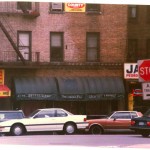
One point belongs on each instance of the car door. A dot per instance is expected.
(43, 121)
(119, 120)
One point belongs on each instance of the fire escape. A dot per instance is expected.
(9, 31)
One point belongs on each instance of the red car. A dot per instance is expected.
(118, 120)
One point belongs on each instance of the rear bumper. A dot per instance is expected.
(140, 128)
(82, 126)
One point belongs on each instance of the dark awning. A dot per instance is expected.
(70, 88)
(36, 88)
(4, 91)
(105, 88)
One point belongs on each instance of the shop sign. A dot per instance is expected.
(104, 96)
(1, 77)
(75, 7)
(71, 97)
(137, 92)
(146, 90)
(144, 70)
(131, 71)
(35, 96)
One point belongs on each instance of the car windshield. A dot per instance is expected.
(147, 113)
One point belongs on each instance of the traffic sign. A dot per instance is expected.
(144, 70)
(146, 90)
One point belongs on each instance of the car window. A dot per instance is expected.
(133, 115)
(45, 114)
(121, 115)
(61, 113)
(11, 115)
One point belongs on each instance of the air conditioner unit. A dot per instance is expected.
(57, 6)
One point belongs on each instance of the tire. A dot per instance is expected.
(145, 134)
(96, 129)
(17, 130)
(70, 128)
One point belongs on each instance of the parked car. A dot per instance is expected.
(52, 119)
(11, 114)
(141, 125)
(116, 121)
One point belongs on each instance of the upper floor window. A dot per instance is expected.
(148, 48)
(24, 44)
(92, 8)
(92, 46)
(132, 13)
(132, 50)
(24, 5)
(56, 7)
(56, 46)
(148, 13)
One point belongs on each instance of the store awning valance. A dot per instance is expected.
(105, 88)
(4, 91)
(69, 88)
(35, 88)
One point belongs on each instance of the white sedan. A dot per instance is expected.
(50, 119)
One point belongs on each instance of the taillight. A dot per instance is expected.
(148, 123)
(85, 119)
(132, 123)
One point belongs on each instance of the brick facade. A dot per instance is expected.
(111, 23)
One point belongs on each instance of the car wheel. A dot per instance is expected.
(96, 130)
(17, 130)
(70, 128)
(145, 134)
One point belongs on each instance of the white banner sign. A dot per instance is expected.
(131, 71)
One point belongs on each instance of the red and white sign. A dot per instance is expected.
(131, 71)
(144, 70)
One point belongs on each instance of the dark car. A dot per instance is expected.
(11, 114)
(142, 124)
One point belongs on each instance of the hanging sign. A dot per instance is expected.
(75, 7)
(1, 77)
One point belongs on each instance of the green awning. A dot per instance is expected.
(69, 88)
(35, 88)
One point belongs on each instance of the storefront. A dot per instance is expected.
(134, 89)
(80, 95)
(5, 92)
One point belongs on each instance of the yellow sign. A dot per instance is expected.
(75, 7)
(5, 93)
(1, 76)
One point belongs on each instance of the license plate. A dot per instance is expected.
(141, 123)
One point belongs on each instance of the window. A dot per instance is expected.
(148, 48)
(24, 5)
(61, 113)
(24, 44)
(56, 46)
(56, 7)
(45, 114)
(92, 8)
(133, 115)
(132, 50)
(132, 13)
(121, 115)
(148, 13)
(92, 46)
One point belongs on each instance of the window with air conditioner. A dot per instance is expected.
(24, 44)
(56, 7)
(93, 8)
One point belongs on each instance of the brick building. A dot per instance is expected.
(58, 58)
